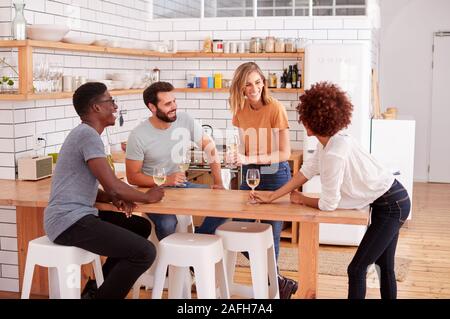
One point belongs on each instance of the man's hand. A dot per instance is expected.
(123, 206)
(217, 186)
(155, 194)
(175, 179)
(297, 197)
(261, 197)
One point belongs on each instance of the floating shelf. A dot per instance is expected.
(25, 59)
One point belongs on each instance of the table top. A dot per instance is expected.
(199, 202)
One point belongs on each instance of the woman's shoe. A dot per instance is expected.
(287, 287)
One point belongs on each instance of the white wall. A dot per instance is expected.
(130, 19)
(407, 28)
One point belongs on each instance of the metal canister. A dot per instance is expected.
(156, 75)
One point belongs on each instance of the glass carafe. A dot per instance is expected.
(19, 24)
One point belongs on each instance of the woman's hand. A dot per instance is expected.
(261, 197)
(297, 197)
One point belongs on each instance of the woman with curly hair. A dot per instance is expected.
(264, 130)
(351, 179)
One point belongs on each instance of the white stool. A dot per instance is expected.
(147, 278)
(257, 240)
(64, 268)
(203, 252)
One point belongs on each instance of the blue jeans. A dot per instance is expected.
(378, 245)
(167, 224)
(273, 177)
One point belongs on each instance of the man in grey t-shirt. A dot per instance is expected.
(71, 218)
(161, 142)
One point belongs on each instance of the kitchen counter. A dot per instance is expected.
(30, 199)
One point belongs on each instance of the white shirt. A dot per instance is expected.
(351, 178)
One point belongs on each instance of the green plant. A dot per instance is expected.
(6, 79)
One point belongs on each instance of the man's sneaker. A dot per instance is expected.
(287, 287)
(89, 290)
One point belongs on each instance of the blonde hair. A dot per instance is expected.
(237, 98)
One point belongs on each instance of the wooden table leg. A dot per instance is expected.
(308, 252)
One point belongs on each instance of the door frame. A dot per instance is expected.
(430, 123)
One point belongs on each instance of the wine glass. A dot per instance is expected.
(184, 164)
(159, 175)
(253, 178)
(232, 149)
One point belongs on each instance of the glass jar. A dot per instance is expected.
(279, 45)
(272, 80)
(270, 45)
(18, 25)
(255, 45)
(290, 45)
(300, 44)
(217, 46)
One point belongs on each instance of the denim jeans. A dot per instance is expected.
(167, 224)
(272, 178)
(388, 213)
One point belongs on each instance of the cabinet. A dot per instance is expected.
(392, 143)
(25, 65)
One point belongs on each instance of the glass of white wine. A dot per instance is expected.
(232, 149)
(159, 175)
(184, 164)
(253, 178)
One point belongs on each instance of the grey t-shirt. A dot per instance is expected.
(160, 148)
(74, 187)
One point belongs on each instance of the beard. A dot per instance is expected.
(164, 117)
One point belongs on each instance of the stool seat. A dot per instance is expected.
(180, 251)
(257, 240)
(64, 267)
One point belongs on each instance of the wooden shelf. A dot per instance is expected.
(68, 95)
(139, 52)
(25, 59)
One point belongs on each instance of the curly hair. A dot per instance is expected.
(325, 109)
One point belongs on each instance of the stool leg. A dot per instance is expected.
(177, 282)
(137, 286)
(27, 278)
(229, 259)
(274, 292)
(98, 271)
(53, 283)
(159, 279)
(69, 277)
(258, 265)
(205, 281)
(222, 279)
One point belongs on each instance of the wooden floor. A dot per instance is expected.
(425, 241)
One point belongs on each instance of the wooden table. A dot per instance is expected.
(31, 198)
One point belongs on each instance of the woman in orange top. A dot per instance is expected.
(264, 131)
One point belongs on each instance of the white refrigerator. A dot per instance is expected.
(349, 66)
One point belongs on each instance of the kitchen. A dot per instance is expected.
(51, 115)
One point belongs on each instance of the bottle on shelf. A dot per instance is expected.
(299, 77)
(283, 79)
(19, 24)
(294, 76)
(289, 78)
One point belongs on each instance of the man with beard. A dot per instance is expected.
(160, 142)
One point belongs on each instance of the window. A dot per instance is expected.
(339, 7)
(229, 8)
(170, 9)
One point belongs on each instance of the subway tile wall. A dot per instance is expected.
(22, 121)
